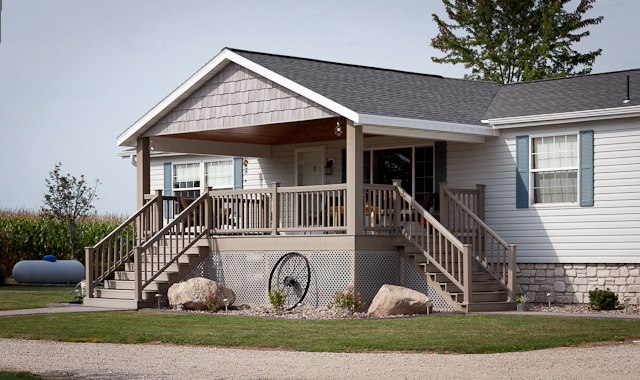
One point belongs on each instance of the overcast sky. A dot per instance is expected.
(74, 74)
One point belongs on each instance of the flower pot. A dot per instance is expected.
(521, 306)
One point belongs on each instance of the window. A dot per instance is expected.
(219, 174)
(186, 179)
(554, 169)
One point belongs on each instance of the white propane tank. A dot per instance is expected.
(48, 272)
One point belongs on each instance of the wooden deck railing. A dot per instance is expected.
(442, 249)
(379, 206)
(116, 248)
(171, 242)
(496, 255)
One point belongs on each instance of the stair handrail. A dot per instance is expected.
(124, 253)
(202, 205)
(509, 280)
(461, 274)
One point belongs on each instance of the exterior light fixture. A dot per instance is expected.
(226, 305)
(338, 129)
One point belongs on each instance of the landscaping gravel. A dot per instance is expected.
(155, 361)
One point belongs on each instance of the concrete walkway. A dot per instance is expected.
(55, 310)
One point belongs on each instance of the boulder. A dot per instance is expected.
(393, 300)
(198, 293)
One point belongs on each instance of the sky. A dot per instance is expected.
(74, 74)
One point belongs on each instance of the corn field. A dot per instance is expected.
(29, 235)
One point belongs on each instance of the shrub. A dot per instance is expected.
(278, 299)
(602, 299)
(347, 300)
(212, 302)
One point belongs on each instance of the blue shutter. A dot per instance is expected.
(522, 171)
(167, 179)
(586, 168)
(237, 172)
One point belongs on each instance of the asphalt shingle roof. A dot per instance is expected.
(385, 92)
(580, 93)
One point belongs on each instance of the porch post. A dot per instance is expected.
(444, 205)
(143, 175)
(354, 206)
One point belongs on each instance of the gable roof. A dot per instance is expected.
(385, 92)
(365, 95)
(565, 97)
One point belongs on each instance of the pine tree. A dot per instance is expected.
(509, 41)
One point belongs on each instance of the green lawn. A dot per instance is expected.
(435, 333)
(10, 375)
(14, 297)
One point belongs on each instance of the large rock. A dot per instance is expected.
(198, 293)
(393, 300)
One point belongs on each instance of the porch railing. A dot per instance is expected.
(116, 249)
(441, 248)
(167, 246)
(496, 255)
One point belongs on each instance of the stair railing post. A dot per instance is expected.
(444, 205)
(467, 275)
(137, 263)
(511, 276)
(480, 201)
(396, 204)
(208, 212)
(275, 207)
(89, 270)
(160, 211)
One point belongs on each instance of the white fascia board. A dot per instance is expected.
(427, 125)
(127, 138)
(421, 134)
(563, 117)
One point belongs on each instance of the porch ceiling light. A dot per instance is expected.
(338, 129)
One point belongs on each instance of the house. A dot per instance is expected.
(381, 176)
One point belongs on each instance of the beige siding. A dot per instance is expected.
(237, 97)
(609, 232)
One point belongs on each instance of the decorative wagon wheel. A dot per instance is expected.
(291, 274)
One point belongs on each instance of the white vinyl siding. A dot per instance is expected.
(608, 232)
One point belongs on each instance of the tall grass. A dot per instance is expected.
(29, 235)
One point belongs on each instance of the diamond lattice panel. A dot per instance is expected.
(374, 269)
(413, 281)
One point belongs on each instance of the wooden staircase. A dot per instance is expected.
(119, 292)
(464, 261)
(146, 254)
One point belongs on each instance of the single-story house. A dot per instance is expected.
(469, 191)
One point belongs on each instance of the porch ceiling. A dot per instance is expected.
(273, 134)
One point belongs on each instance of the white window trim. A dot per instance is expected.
(323, 159)
(202, 163)
(575, 204)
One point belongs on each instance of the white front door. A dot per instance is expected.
(310, 166)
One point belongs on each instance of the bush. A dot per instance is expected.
(603, 299)
(29, 235)
(348, 300)
(278, 299)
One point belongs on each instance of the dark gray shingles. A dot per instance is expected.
(580, 93)
(385, 92)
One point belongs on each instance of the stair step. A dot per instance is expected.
(481, 297)
(475, 277)
(110, 303)
(175, 267)
(124, 294)
(433, 269)
(168, 276)
(491, 306)
(156, 286)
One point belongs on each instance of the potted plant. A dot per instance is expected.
(521, 302)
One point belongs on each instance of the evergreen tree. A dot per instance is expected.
(509, 41)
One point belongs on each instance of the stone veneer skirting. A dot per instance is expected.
(571, 283)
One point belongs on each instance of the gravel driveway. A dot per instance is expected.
(121, 361)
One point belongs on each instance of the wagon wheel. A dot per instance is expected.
(291, 274)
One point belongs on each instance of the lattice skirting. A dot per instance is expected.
(247, 273)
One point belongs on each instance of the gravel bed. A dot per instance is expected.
(581, 308)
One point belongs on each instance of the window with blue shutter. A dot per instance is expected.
(522, 171)
(586, 168)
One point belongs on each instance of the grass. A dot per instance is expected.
(11, 375)
(436, 333)
(13, 297)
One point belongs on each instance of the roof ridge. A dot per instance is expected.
(570, 77)
(354, 65)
